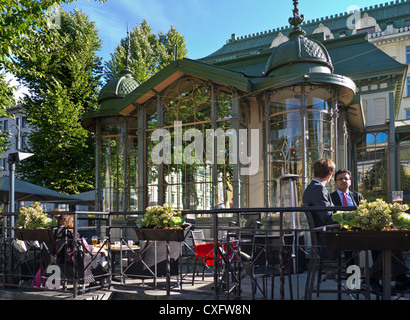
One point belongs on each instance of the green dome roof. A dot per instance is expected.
(299, 54)
(299, 49)
(109, 98)
(118, 88)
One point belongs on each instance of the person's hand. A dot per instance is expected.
(103, 252)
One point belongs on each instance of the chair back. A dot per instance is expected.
(203, 249)
(266, 249)
(198, 236)
(318, 241)
(311, 224)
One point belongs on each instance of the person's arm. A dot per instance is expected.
(323, 199)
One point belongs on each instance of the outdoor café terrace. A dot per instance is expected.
(223, 260)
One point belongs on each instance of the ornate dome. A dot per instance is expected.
(118, 87)
(299, 49)
(305, 53)
(111, 94)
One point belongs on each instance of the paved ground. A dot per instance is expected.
(201, 290)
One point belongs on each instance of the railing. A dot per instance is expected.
(119, 229)
(13, 255)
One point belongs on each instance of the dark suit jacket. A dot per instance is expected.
(316, 195)
(356, 197)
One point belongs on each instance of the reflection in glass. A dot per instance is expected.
(187, 180)
(373, 166)
(286, 138)
(118, 164)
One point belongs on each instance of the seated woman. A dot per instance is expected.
(89, 263)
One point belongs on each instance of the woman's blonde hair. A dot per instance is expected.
(66, 220)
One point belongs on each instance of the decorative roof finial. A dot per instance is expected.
(127, 69)
(296, 21)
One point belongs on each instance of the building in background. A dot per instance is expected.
(370, 46)
(18, 131)
(381, 156)
(312, 90)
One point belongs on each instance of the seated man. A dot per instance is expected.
(316, 195)
(343, 196)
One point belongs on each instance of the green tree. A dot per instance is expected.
(62, 71)
(17, 19)
(149, 52)
(6, 96)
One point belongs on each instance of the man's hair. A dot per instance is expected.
(323, 168)
(341, 171)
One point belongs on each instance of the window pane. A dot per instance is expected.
(408, 82)
(407, 54)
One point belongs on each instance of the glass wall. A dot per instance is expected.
(373, 166)
(301, 131)
(184, 123)
(118, 159)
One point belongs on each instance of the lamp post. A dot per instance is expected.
(18, 144)
(12, 159)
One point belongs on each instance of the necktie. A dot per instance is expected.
(344, 199)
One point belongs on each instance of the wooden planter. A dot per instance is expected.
(160, 234)
(41, 235)
(368, 240)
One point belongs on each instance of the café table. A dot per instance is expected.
(385, 241)
(115, 250)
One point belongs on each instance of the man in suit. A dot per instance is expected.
(344, 197)
(316, 194)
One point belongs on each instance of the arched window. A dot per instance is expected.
(366, 24)
(325, 30)
(181, 167)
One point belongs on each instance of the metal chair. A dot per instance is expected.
(204, 253)
(32, 258)
(264, 263)
(324, 259)
(28, 260)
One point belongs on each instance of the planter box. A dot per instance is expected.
(160, 234)
(41, 235)
(368, 240)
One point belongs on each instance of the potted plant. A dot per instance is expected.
(161, 223)
(374, 216)
(34, 224)
(373, 225)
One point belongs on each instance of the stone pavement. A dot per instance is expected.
(201, 290)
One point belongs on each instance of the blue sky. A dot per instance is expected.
(206, 24)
